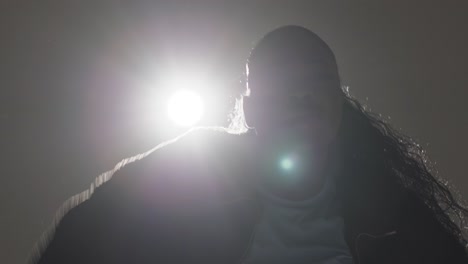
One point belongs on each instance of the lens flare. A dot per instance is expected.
(287, 164)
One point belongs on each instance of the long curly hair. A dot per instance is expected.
(403, 160)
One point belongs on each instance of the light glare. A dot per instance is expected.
(286, 164)
(185, 108)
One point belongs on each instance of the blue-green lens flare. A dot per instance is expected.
(286, 164)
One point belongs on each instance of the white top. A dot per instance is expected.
(308, 231)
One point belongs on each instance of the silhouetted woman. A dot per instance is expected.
(303, 175)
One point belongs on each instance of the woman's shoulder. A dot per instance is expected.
(212, 141)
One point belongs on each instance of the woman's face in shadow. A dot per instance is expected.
(295, 106)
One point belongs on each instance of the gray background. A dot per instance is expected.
(71, 103)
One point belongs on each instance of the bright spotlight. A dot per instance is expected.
(185, 108)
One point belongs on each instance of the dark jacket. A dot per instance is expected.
(193, 201)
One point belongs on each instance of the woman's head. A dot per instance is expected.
(294, 91)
